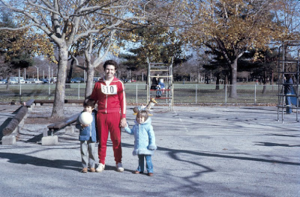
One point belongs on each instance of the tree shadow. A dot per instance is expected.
(282, 135)
(275, 144)
(26, 159)
(174, 152)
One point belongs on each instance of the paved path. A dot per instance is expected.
(203, 151)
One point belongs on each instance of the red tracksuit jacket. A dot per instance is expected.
(110, 98)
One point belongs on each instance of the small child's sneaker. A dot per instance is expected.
(120, 167)
(100, 168)
(150, 174)
(84, 170)
(138, 172)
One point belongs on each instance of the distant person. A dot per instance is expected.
(144, 141)
(154, 83)
(288, 85)
(109, 93)
(160, 88)
(88, 138)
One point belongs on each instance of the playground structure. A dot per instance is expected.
(288, 65)
(158, 71)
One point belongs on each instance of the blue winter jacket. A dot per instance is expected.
(84, 132)
(162, 85)
(144, 138)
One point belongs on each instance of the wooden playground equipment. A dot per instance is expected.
(161, 71)
(288, 65)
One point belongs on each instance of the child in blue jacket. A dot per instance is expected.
(144, 141)
(88, 138)
(160, 88)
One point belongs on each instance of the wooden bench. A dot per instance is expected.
(52, 101)
(52, 128)
(15, 121)
(62, 124)
(11, 129)
(29, 103)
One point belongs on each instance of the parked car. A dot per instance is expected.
(27, 81)
(3, 81)
(129, 81)
(16, 80)
(45, 80)
(39, 81)
(76, 80)
(13, 80)
(96, 79)
(34, 80)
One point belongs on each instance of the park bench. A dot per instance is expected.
(41, 102)
(52, 128)
(29, 103)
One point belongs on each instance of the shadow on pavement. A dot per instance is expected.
(275, 144)
(25, 159)
(173, 154)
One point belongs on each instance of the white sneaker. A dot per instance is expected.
(120, 167)
(100, 168)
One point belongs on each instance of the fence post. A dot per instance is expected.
(254, 93)
(78, 91)
(196, 93)
(49, 88)
(225, 93)
(136, 93)
(20, 88)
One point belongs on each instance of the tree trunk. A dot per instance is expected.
(218, 82)
(59, 97)
(233, 91)
(70, 71)
(272, 80)
(69, 76)
(90, 79)
(264, 81)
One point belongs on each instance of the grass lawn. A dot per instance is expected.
(136, 93)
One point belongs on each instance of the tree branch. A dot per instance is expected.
(42, 7)
(16, 28)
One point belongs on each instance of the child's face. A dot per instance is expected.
(140, 120)
(88, 109)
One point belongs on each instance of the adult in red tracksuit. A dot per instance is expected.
(110, 96)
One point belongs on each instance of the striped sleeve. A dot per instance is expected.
(122, 99)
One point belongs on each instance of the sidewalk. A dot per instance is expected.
(202, 151)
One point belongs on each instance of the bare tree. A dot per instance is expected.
(67, 21)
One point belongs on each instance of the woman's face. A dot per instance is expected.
(110, 71)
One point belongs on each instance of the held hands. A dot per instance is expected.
(84, 125)
(123, 123)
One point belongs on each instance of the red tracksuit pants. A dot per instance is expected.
(109, 123)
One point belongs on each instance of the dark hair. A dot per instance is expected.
(110, 62)
(288, 76)
(89, 103)
(143, 114)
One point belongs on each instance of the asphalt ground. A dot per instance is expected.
(202, 151)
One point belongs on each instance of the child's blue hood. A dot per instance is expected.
(148, 121)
